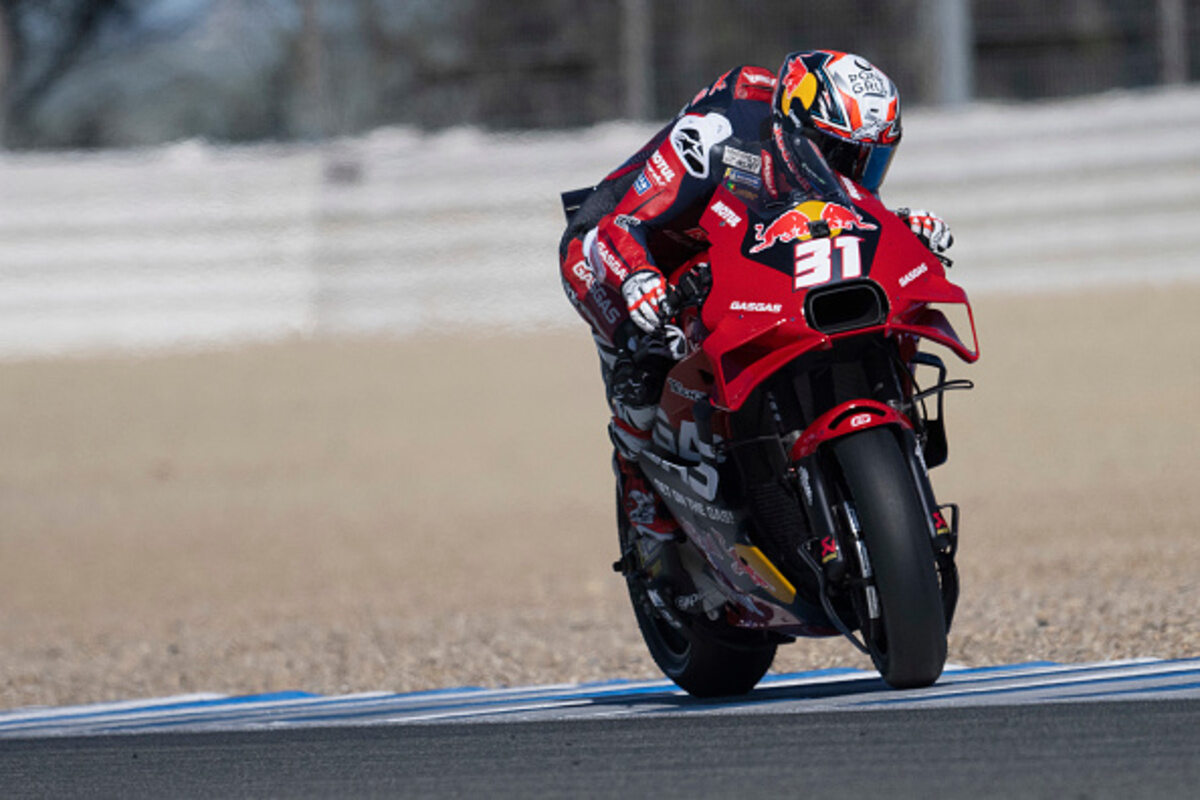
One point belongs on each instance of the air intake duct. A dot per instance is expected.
(846, 306)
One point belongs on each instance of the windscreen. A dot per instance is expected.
(817, 180)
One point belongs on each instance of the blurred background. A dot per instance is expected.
(180, 171)
(115, 73)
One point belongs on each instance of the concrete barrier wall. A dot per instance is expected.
(397, 232)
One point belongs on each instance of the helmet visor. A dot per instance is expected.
(864, 163)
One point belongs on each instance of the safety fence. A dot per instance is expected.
(398, 232)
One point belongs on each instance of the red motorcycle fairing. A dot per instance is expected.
(690, 382)
(682, 466)
(774, 269)
(758, 316)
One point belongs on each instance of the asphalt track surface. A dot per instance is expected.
(1109, 749)
(1118, 729)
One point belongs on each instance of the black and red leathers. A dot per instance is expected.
(644, 214)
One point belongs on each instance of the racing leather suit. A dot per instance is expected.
(645, 215)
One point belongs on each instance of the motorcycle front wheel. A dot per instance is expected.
(698, 664)
(908, 640)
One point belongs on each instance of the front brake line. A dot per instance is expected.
(826, 604)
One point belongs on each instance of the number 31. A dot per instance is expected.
(815, 260)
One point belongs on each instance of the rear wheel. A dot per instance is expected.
(691, 657)
(908, 640)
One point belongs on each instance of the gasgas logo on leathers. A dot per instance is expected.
(794, 225)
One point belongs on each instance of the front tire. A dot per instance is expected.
(908, 641)
(698, 664)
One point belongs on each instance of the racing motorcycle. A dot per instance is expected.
(793, 445)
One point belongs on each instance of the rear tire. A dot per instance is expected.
(699, 665)
(908, 642)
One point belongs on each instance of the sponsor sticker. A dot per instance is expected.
(728, 215)
(768, 175)
(829, 549)
(626, 222)
(740, 159)
(790, 226)
(607, 307)
(755, 84)
(739, 178)
(584, 273)
(797, 224)
(745, 305)
(691, 394)
(661, 169)
(610, 260)
(840, 218)
(913, 274)
(743, 184)
(642, 184)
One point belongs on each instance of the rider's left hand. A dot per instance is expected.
(931, 229)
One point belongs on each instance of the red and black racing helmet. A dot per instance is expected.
(845, 106)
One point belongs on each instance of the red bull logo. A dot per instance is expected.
(795, 83)
(795, 224)
(790, 226)
(839, 218)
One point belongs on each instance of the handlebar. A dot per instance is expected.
(692, 288)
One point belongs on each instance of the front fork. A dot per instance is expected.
(835, 524)
(942, 521)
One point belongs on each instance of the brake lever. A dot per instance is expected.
(670, 306)
(693, 287)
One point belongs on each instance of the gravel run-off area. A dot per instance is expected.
(336, 516)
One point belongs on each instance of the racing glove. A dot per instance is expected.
(644, 292)
(931, 229)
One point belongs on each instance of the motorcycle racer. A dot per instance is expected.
(825, 117)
